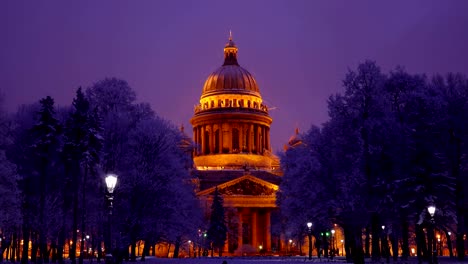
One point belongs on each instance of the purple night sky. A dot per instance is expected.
(298, 51)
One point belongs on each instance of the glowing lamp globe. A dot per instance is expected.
(431, 209)
(111, 181)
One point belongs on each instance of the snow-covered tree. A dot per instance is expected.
(43, 182)
(81, 153)
(10, 205)
(217, 229)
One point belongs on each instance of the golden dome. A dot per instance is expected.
(230, 77)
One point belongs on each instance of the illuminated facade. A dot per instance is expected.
(231, 128)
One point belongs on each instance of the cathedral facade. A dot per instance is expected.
(231, 129)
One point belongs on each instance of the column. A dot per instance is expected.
(268, 230)
(249, 147)
(241, 137)
(239, 232)
(262, 138)
(220, 129)
(255, 243)
(268, 138)
(230, 138)
(257, 139)
(195, 138)
(203, 140)
(212, 139)
(198, 140)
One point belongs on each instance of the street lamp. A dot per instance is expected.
(440, 244)
(384, 242)
(342, 247)
(449, 243)
(333, 242)
(189, 242)
(111, 182)
(309, 234)
(290, 244)
(431, 209)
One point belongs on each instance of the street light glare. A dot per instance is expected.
(309, 224)
(431, 209)
(111, 181)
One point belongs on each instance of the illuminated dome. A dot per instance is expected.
(230, 77)
(231, 124)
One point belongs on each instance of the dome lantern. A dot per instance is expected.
(230, 52)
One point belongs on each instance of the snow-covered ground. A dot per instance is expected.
(276, 260)
(239, 260)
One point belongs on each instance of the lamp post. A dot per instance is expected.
(431, 209)
(449, 243)
(440, 245)
(189, 242)
(333, 243)
(290, 244)
(111, 182)
(342, 247)
(309, 234)
(385, 251)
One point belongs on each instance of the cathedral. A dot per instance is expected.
(231, 129)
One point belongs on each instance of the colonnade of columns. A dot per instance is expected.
(254, 228)
(232, 138)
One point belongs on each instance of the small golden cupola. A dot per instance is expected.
(230, 52)
(231, 124)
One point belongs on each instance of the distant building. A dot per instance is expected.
(231, 131)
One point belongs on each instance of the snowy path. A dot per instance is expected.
(232, 260)
(275, 260)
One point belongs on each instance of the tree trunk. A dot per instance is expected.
(358, 252)
(74, 226)
(459, 194)
(61, 243)
(34, 248)
(168, 250)
(348, 244)
(176, 248)
(4, 248)
(146, 250)
(13, 248)
(405, 237)
(367, 243)
(43, 251)
(24, 257)
(421, 244)
(99, 250)
(133, 251)
(449, 243)
(394, 238)
(376, 231)
(53, 248)
(83, 213)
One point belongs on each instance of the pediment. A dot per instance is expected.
(246, 185)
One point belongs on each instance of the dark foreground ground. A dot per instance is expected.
(278, 260)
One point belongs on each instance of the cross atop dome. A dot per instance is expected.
(230, 52)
